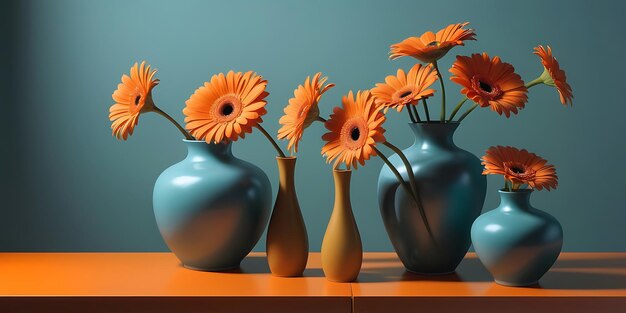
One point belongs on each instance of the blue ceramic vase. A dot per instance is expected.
(452, 189)
(516, 242)
(211, 208)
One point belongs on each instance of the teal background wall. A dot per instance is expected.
(67, 185)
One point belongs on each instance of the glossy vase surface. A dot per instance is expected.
(287, 243)
(211, 208)
(452, 190)
(516, 242)
(342, 252)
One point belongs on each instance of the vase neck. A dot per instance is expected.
(434, 135)
(515, 200)
(342, 188)
(286, 170)
(200, 151)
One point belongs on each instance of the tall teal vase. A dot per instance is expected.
(211, 208)
(516, 242)
(452, 189)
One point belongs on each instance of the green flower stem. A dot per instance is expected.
(412, 182)
(442, 116)
(456, 109)
(320, 119)
(272, 141)
(173, 121)
(537, 81)
(468, 112)
(426, 110)
(411, 116)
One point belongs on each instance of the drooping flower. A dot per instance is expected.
(354, 130)
(520, 167)
(132, 97)
(430, 47)
(553, 75)
(405, 88)
(227, 107)
(490, 83)
(302, 109)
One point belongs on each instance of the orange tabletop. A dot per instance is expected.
(578, 282)
(156, 282)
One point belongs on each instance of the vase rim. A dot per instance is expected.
(435, 123)
(519, 191)
(341, 171)
(291, 157)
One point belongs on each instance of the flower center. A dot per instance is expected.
(519, 172)
(137, 98)
(406, 94)
(227, 109)
(433, 44)
(355, 133)
(485, 87)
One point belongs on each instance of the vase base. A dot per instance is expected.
(516, 284)
(212, 269)
(431, 273)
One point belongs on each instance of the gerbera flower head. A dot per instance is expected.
(227, 107)
(132, 97)
(490, 83)
(553, 75)
(520, 167)
(430, 47)
(354, 130)
(405, 88)
(302, 109)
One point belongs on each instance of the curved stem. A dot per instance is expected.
(456, 109)
(417, 115)
(320, 119)
(173, 121)
(272, 141)
(537, 81)
(408, 109)
(413, 183)
(426, 110)
(395, 172)
(442, 116)
(468, 112)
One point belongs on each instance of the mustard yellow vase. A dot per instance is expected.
(287, 243)
(342, 252)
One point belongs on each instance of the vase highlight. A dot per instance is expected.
(211, 208)
(342, 252)
(516, 242)
(452, 191)
(287, 243)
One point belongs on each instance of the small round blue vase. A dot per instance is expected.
(516, 242)
(211, 208)
(452, 189)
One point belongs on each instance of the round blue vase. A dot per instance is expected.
(211, 208)
(516, 242)
(452, 189)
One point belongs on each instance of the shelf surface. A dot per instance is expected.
(156, 282)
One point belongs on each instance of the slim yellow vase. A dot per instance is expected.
(342, 252)
(287, 243)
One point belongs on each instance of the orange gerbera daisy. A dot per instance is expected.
(354, 130)
(227, 107)
(430, 47)
(132, 97)
(490, 83)
(302, 110)
(404, 89)
(553, 74)
(520, 167)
